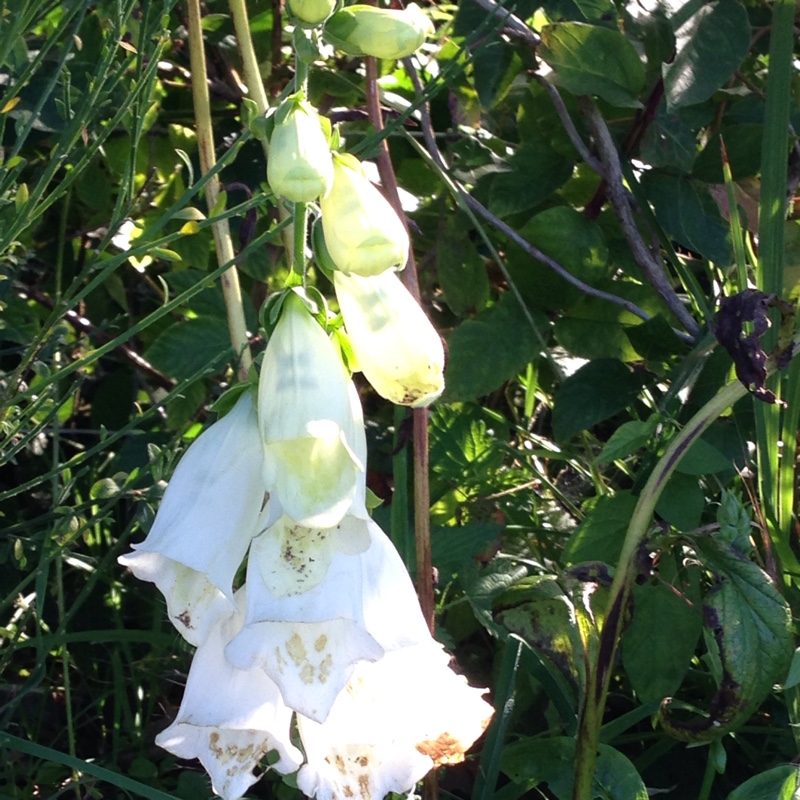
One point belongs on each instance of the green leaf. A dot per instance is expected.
(689, 215)
(453, 548)
(711, 45)
(597, 391)
(535, 761)
(486, 351)
(774, 784)
(577, 244)
(743, 146)
(461, 271)
(599, 537)
(750, 627)
(482, 584)
(702, 458)
(186, 347)
(588, 59)
(682, 502)
(627, 439)
(656, 663)
(534, 172)
(669, 142)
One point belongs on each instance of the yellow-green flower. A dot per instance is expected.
(381, 32)
(362, 231)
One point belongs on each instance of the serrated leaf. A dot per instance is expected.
(597, 391)
(710, 45)
(750, 625)
(488, 350)
(589, 59)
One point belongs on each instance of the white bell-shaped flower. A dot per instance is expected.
(396, 720)
(309, 640)
(362, 231)
(395, 344)
(306, 421)
(202, 530)
(230, 719)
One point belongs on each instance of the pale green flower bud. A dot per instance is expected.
(299, 167)
(381, 32)
(397, 348)
(312, 12)
(362, 231)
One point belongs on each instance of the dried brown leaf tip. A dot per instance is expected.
(740, 324)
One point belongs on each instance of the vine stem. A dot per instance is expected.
(231, 290)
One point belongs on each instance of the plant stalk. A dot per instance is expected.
(231, 290)
(599, 674)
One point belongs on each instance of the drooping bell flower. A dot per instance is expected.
(209, 514)
(306, 421)
(395, 344)
(230, 719)
(362, 231)
(299, 167)
(396, 719)
(310, 642)
(312, 12)
(362, 30)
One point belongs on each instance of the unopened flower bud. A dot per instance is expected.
(381, 32)
(363, 233)
(397, 348)
(300, 167)
(312, 12)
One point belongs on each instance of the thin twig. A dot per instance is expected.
(231, 291)
(569, 126)
(646, 258)
(513, 24)
(481, 210)
(84, 325)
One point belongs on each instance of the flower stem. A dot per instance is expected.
(299, 223)
(599, 674)
(222, 234)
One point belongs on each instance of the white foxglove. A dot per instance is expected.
(310, 641)
(202, 530)
(396, 719)
(306, 421)
(362, 231)
(229, 718)
(395, 344)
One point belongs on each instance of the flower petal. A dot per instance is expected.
(309, 642)
(397, 719)
(307, 423)
(230, 718)
(204, 525)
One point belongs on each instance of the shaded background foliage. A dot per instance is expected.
(575, 237)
